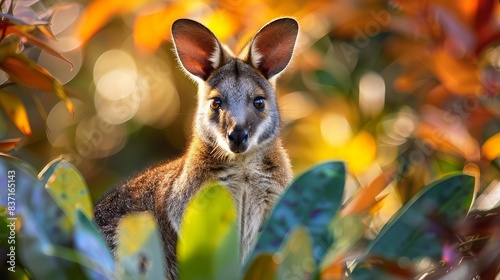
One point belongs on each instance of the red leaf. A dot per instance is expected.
(9, 144)
(26, 72)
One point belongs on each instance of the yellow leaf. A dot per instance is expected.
(9, 144)
(491, 148)
(131, 240)
(99, 12)
(15, 109)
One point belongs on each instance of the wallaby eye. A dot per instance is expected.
(259, 103)
(215, 103)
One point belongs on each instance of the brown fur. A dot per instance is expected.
(255, 172)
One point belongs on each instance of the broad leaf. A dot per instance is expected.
(208, 243)
(419, 228)
(140, 251)
(67, 187)
(312, 200)
(91, 245)
(44, 226)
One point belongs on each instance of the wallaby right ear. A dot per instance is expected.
(197, 48)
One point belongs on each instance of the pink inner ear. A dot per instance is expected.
(274, 46)
(195, 44)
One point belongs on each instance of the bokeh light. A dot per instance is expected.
(371, 94)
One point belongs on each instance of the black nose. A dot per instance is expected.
(238, 136)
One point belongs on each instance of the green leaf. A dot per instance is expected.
(295, 259)
(208, 243)
(67, 187)
(312, 200)
(90, 243)
(140, 251)
(419, 228)
(44, 225)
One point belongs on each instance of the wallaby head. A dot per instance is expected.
(237, 109)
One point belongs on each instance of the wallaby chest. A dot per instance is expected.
(255, 186)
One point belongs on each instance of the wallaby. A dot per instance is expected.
(235, 137)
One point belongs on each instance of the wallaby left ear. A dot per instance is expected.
(197, 48)
(272, 47)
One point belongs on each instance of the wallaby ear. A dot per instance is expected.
(272, 47)
(196, 46)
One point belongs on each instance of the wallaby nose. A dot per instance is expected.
(238, 136)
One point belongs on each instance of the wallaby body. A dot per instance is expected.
(235, 138)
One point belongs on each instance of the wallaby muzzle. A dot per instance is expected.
(238, 140)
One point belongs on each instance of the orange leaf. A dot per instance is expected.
(364, 199)
(9, 144)
(262, 267)
(14, 30)
(15, 109)
(459, 76)
(334, 271)
(491, 148)
(449, 140)
(26, 72)
(152, 26)
(99, 12)
(151, 29)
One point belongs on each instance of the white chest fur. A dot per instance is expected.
(254, 192)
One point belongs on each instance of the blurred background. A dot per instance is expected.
(374, 83)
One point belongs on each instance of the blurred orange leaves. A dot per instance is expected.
(26, 72)
(98, 13)
(365, 198)
(153, 18)
(22, 70)
(152, 23)
(463, 79)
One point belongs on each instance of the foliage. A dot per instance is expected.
(304, 225)
(212, 213)
(312, 201)
(403, 92)
(22, 70)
